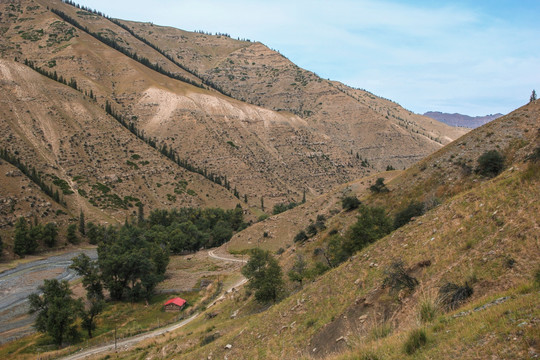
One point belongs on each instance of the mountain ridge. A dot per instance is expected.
(461, 120)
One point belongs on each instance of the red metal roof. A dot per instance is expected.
(177, 301)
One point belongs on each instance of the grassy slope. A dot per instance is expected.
(470, 237)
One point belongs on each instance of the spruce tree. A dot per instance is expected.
(21, 235)
(82, 227)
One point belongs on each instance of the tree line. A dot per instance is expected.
(32, 174)
(116, 46)
(143, 60)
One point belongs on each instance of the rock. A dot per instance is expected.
(363, 318)
(228, 346)
(234, 314)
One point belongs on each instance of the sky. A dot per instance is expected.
(474, 57)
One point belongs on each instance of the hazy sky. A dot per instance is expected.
(474, 57)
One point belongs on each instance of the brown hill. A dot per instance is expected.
(318, 139)
(307, 137)
(484, 234)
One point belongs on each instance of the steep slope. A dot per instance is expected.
(484, 234)
(99, 167)
(323, 135)
(254, 73)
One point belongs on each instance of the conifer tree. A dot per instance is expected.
(82, 227)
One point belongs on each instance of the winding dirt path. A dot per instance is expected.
(126, 343)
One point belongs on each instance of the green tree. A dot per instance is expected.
(533, 96)
(88, 316)
(72, 234)
(140, 216)
(21, 236)
(82, 225)
(32, 238)
(49, 234)
(379, 186)
(130, 265)
(92, 233)
(91, 278)
(264, 275)
(372, 225)
(335, 252)
(57, 310)
(299, 269)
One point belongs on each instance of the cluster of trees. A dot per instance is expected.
(190, 229)
(28, 236)
(311, 230)
(32, 174)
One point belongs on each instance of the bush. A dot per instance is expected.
(417, 338)
(397, 278)
(379, 186)
(452, 295)
(301, 237)
(490, 163)
(404, 216)
(350, 203)
(208, 339)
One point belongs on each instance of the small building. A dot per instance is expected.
(174, 304)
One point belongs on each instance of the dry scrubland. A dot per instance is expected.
(485, 234)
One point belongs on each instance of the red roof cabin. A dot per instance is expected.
(174, 304)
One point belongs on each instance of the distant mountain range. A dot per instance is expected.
(462, 120)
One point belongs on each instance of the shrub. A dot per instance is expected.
(404, 216)
(490, 163)
(301, 237)
(210, 338)
(311, 230)
(397, 278)
(350, 203)
(379, 186)
(416, 339)
(452, 295)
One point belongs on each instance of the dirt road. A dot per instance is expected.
(125, 344)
